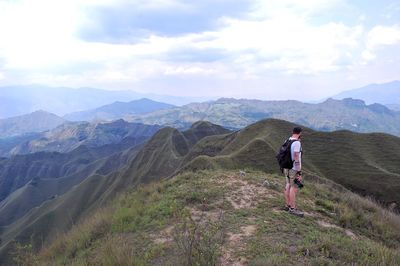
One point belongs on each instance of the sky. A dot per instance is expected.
(266, 49)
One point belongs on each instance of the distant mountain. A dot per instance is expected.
(37, 121)
(330, 115)
(71, 135)
(394, 107)
(385, 93)
(19, 100)
(9, 143)
(118, 110)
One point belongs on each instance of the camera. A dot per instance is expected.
(298, 183)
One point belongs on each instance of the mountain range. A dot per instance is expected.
(86, 183)
(118, 110)
(363, 163)
(23, 99)
(69, 136)
(349, 114)
(37, 121)
(384, 93)
(330, 115)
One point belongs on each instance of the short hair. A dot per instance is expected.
(297, 130)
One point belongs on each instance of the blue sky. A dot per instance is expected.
(271, 49)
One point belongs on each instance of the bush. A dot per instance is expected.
(199, 243)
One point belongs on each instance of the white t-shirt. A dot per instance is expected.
(296, 147)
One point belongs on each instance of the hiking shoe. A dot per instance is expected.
(286, 208)
(296, 212)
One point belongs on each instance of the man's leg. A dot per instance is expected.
(287, 193)
(292, 196)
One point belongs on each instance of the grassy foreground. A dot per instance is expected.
(224, 218)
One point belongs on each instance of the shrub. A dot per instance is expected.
(199, 242)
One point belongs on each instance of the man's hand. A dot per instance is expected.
(298, 176)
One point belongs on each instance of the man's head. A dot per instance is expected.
(297, 132)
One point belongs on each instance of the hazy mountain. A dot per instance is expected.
(330, 115)
(71, 135)
(202, 182)
(118, 110)
(37, 121)
(385, 93)
(19, 100)
(395, 107)
(9, 143)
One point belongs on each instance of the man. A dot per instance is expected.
(293, 176)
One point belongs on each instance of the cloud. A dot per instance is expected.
(188, 53)
(205, 47)
(133, 21)
(379, 37)
(287, 42)
(383, 35)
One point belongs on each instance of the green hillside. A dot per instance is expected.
(192, 161)
(364, 163)
(158, 157)
(219, 217)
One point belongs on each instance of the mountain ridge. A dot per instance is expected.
(383, 93)
(170, 152)
(351, 114)
(18, 100)
(69, 136)
(37, 121)
(118, 110)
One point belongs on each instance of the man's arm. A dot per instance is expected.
(297, 164)
(296, 153)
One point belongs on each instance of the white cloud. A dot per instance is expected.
(368, 55)
(377, 38)
(383, 35)
(188, 70)
(287, 42)
(277, 40)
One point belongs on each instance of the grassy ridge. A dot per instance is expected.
(148, 226)
(364, 163)
(158, 157)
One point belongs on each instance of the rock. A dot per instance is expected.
(392, 206)
(266, 184)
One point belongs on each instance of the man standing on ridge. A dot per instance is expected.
(293, 174)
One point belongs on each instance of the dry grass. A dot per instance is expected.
(80, 237)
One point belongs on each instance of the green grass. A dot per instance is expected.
(155, 223)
